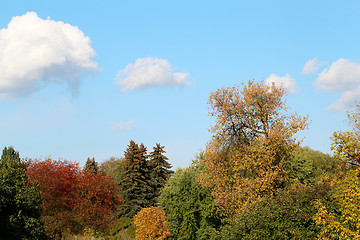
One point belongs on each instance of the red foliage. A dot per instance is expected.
(73, 200)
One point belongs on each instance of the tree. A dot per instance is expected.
(151, 224)
(159, 169)
(57, 183)
(91, 165)
(98, 200)
(135, 182)
(20, 204)
(189, 207)
(252, 137)
(309, 166)
(111, 167)
(346, 144)
(73, 200)
(338, 215)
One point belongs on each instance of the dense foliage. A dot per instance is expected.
(189, 207)
(72, 200)
(20, 204)
(253, 181)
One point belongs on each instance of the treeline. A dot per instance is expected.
(252, 181)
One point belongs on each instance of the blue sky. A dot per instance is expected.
(81, 79)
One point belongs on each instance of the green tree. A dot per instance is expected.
(159, 170)
(308, 166)
(20, 204)
(189, 207)
(134, 183)
(287, 214)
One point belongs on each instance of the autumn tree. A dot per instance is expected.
(73, 200)
(57, 183)
(151, 224)
(98, 200)
(338, 215)
(135, 181)
(20, 204)
(252, 137)
(160, 172)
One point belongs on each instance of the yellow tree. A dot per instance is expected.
(340, 219)
(346, 144)
(151, 224)
(252, 136)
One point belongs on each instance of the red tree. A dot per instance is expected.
(72, 200)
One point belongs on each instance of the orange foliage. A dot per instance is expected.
(252, 137)
(151, 224)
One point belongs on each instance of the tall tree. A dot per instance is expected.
(252, 137)
(20, 204)
(159, 170)
(135, 182)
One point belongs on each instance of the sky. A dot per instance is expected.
(81, 79)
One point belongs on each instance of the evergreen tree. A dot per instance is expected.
(135, 182)
(91, 165)
(159, 170)
(20, 205)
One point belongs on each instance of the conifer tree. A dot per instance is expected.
(91, 165)
(135, 183)
(159, 170)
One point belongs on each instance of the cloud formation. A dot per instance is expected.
(35, 52)
(342, 76)
(123, 126)
(149, 73)
(312, 66)
(286, 82)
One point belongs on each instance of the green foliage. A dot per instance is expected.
(308, 165)
(189, 207)
(288, 214)
(20, 205)
(123, 229)
(134, 182)
(159, 171)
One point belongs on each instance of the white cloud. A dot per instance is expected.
(342, 76)
(148, 73)
(123, 126)
(35, 52)
(312, 66)
(286, 82)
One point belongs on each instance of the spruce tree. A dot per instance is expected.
(135, 183)
(159, 170)
(91, 165)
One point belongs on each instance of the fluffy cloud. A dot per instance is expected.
(342, 76)
(286, 82)
(148, 73)
(312, 66)
(123, 126)
(35, 52)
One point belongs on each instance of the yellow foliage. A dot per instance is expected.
(251, 138)
(345, 222)
(151, 224)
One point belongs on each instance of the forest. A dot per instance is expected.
(253, 180)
